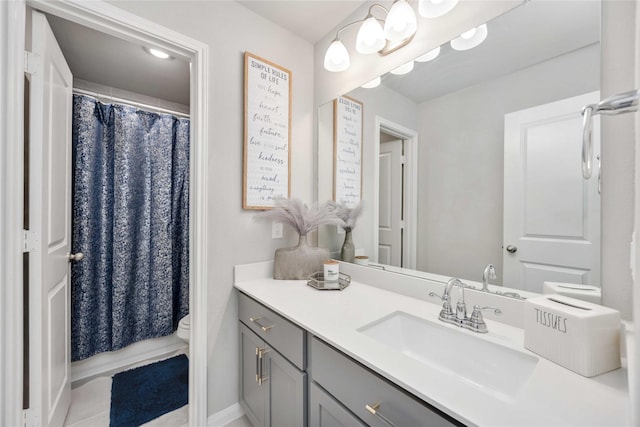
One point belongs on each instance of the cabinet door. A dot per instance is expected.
(287, 402)
(324, 411)
(252, 394)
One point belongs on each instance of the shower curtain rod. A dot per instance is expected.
(98, 96)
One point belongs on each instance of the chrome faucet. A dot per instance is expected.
(459, 318)
(488, 273)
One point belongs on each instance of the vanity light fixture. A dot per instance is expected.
(401, 21)
(435, 8)
(399, 27)
(470, 39)
(373, 83)
(429, 56)
(403, 69)
(157, 53)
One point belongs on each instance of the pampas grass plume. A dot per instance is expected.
(294, 213)
(349, 216)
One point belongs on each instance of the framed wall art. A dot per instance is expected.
(267, 133)
(347, 151)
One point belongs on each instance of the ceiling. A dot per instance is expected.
(311, 20)
(559, 26)
(100, 58)
(530, 34)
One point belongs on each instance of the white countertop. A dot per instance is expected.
(552, 396)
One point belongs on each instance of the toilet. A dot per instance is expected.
(184, 327)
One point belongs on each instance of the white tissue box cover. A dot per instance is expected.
(584, 292)
(578, 335)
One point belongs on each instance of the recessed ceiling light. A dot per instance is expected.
(158, 53)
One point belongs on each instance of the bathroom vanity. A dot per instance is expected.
(369, 356)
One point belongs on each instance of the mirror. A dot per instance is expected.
(455, 116)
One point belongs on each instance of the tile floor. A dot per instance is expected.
(90, 404)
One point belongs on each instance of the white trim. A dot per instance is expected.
(411, 187)
(119, 23)
(227, 415)
(12, 21)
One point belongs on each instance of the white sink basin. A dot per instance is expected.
(494, 368)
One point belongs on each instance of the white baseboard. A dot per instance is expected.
(224, 417)
(109, 363)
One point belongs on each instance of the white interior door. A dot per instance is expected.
(551, 214)
(50, 210)
(390, 204)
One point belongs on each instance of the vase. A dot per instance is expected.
(298, 262)
(348, 250)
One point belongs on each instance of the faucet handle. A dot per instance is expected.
(447, 311)
(476, 321)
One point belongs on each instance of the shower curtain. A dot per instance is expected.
(131, 222)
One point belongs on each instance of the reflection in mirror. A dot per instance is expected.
(489, 155)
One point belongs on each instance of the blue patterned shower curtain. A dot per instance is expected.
(131, 222)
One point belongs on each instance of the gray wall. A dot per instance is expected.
(234, 236)
(618, 154)
(461, 159)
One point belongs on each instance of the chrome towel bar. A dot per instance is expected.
(625, 102)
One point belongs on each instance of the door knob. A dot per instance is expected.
(512, 249)
(75, 257)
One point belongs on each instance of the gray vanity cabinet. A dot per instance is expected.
(372, 399)
(324, 411)
(272, 377)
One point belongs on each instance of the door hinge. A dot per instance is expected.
(31, 62)
(403, 160)
(30, 418)
(30, 241)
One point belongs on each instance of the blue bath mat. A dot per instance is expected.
(142, 394)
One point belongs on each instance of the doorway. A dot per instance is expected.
(111, 20)
(395, 194)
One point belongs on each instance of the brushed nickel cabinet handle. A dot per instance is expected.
(375, 410)
(261, 378)
(256, 320)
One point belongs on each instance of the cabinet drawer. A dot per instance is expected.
(356, 387)
(274, 329)
(324, 411)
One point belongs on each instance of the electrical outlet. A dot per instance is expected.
(277, 230)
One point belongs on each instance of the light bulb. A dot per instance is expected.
(435, 8)
(370, 38)
(403, 69)
(429, 56)
(401, 21)
(373, 83)
(470, 39)
(336, 58)
(468, 34)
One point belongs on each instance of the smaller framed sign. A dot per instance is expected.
(347, 151)
(267, 133)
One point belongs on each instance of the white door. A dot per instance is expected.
(390, 204)
(50, 212)
(551, 214)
